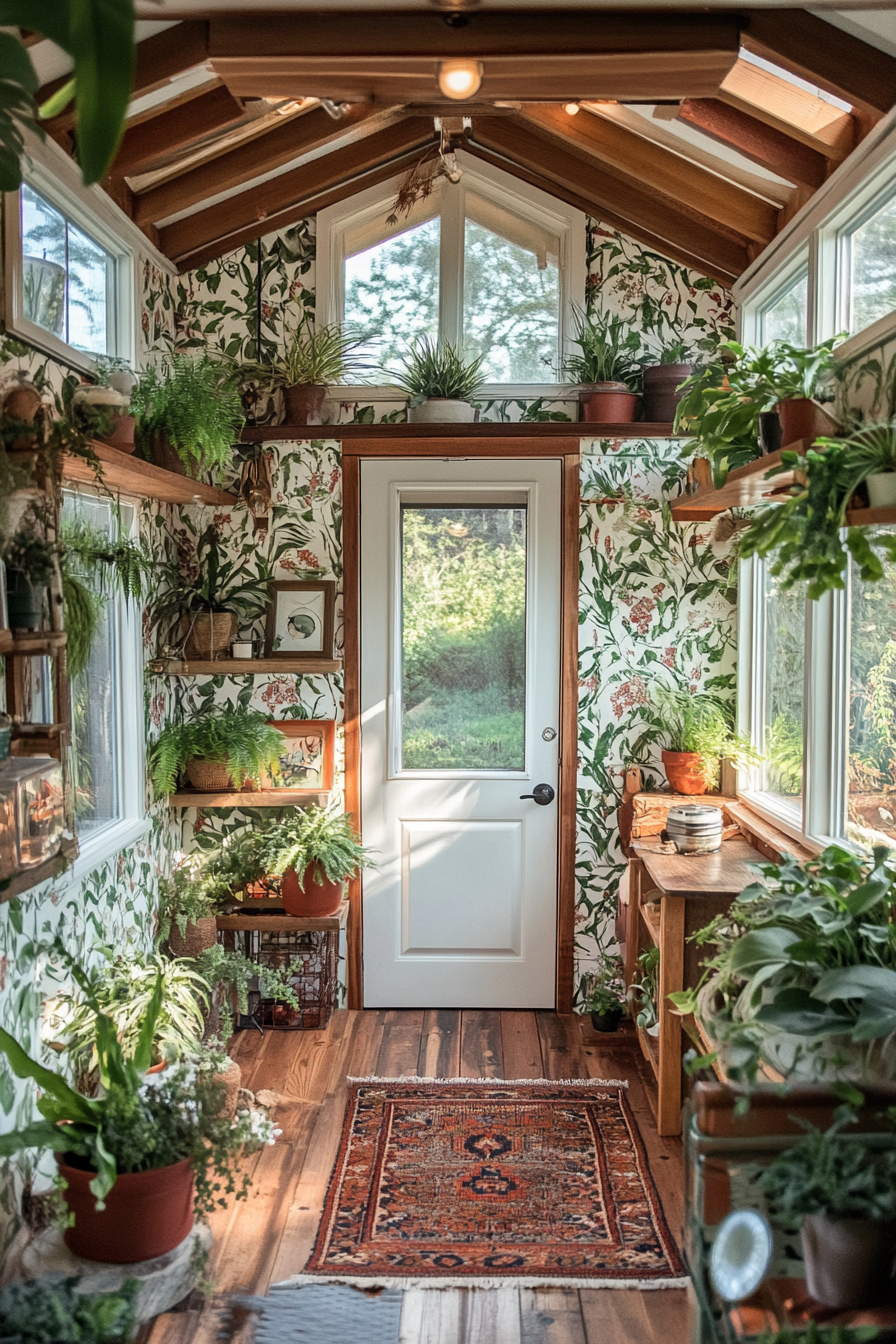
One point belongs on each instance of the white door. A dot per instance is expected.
(460, 700)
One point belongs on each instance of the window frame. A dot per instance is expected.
(494, 183)
(782, 282)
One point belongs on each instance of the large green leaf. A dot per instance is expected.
(23, 1066)
(143, 1053)
(856, 982)
(106, 1172)
(877, 1018)
(39, 1134)
(102, 45)
(795, 1011)
(759, 947)
(870, 893)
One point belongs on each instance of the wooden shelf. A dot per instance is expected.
(248, 667)
(133, 476)
(650, 1049)
(870, 517)
(31, 877)
(746, 486)
(486, 429)
(285, 923)
(651, 917)
(261, 798)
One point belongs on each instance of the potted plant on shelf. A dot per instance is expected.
(844, 1190)
(50, 1310)
(219, 750)
(187, 909)
(662, 382)
(701, 733)
(314, 359)
(607, 369)
(804, 377)
(189, 415)
(314, 854)
(603, 994)
(440, 383)
(139, 1162)
(30, 564)
(232, 975)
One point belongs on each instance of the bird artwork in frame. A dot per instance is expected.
(300, 618)
(305, 762)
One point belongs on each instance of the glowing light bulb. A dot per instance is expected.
(460, 79)
(571, 108)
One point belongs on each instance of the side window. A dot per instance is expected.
(871, 269)
(68, 278)
(786, 316)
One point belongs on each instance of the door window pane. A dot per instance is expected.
(787, 318)
(871, 742)
(785, 660)
(873, 268)
(392, 292)
(463, 630)
(66, 277)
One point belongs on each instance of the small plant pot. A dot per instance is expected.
(441, 411)
(24, 601)
(606, 1021)
(802, 418)
(304, 403)
(660, 395)
(122, 436)
(199, 935)
(311, 900)
(209, 634)
(608, 404)
(209, 777)
(770, 434)
(686, 772)
(881, 489)
(147, 1213)
(849, 1263)
(165, 455)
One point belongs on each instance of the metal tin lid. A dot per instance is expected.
(694, 818)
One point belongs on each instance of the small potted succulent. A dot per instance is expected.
(314, 359)
(607, 368)
(844, 1189)
(701, 734)
(30, 564)
(440, 383)
(603, 994)
(189, 414)
(314, 854)
(219, 749)
(662, 381)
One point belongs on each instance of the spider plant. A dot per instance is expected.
(437, 369)
(316, 356)
(610, 352)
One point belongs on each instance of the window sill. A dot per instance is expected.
(105, 845)
(770, 827)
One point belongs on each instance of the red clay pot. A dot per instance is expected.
(122, 436)
(147, 1213)
(686, 772)
(304, 403)
(609, 404)
(802, 418)
(311, 900)
(660, 397)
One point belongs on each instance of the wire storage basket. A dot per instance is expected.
(311, 960)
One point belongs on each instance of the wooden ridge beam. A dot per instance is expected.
(856, 71)
(261, 209)
(305, 134)
(660, 170)
(564, 171)
(171, 129)
(763, 144)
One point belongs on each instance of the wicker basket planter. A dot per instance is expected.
(209, 634)
(231, 1080)
(199, 936)
(210, 776)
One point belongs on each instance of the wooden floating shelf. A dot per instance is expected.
(870, 517)
(240, 798)
(249, 667)
(486, 429)
(31, 643)
(746, 486)
(32, 877)
(133, 476)
(282, 922)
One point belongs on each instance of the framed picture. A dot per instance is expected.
(300, 618)
(307, 758)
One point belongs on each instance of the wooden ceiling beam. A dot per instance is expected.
(791, 110)
(254, 208)
(856, 71)
(660, 170)
(764, 145)
(306, 134)
(629, 205)
(171, 129)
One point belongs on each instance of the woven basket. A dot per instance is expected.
(209, 634)
(232, 1078)
(210, 776)
(198, 937)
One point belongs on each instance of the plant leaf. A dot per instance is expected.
(23, 1066)
(102, 45)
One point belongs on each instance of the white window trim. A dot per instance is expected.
(774, 290)
(490, 181)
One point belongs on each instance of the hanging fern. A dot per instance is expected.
(83, 608)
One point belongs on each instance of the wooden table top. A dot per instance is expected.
(724, 873)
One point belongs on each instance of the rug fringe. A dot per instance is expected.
(497, 1082)
(354, 1281)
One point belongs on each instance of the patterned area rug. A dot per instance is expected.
(472, 1183)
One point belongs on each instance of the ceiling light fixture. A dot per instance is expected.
(571, 108)
(460, 79)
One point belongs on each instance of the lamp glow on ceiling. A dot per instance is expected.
(460, 79)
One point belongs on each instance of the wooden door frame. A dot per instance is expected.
(568, 451)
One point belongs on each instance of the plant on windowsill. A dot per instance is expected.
(189, 414)
(662, 381)
(844, 1190)
(315, 358)
(439, 382)
(47, 1310)
(220, 749)
(607, 368)
(603, 994)
(701, 734)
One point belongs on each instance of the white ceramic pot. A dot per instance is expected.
(123, 381)
(441, 411)
(881, 489)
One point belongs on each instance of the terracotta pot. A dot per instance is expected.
(209, 777)
(209, 634)
(147, 1213)
(606, 1021)
(231, 1080)
(122, 436)
(848, 1263)
(311, 900)
(608, 404)
(442, 411)
(686, 772)
(802, 418)
(164, 455)
(304, 403)
(660, 396)
(201, 934)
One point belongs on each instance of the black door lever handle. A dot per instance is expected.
(542, 794)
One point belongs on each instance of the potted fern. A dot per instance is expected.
(439, 382)
(218, 751)
(314, 854)
(314, 359)
(701, 734)
(607, 367)
(189, 414)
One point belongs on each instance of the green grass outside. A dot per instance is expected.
(464, 730)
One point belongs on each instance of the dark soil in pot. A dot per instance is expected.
(313, 900)
(147, 1213)
(606, 1021)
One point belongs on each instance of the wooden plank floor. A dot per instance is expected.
(269, 1237)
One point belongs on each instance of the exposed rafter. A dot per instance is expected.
(789, 109)
(755, 140)
(173, 128)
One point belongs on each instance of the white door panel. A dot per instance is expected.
(460, 906)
